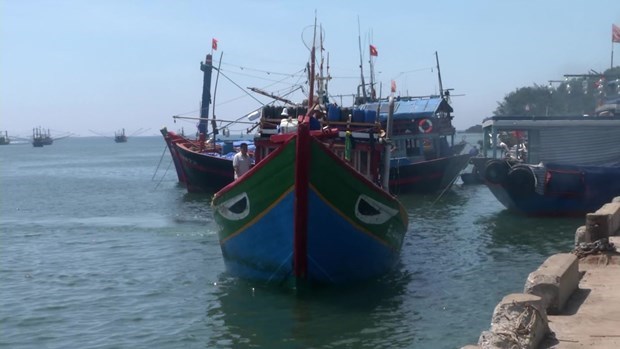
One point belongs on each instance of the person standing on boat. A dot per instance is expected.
(241, 161)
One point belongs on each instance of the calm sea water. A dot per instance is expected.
(101, 248)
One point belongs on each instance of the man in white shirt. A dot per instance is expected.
(241, 161)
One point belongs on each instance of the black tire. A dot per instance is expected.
(520, 182)
(496, 171)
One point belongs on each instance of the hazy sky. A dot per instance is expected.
(103, 65)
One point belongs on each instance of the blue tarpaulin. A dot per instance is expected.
(410, 108)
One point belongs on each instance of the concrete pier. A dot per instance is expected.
(591, 318)
(572, 300)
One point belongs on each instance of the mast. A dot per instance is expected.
(439, 75)
(327, 81)
(373, 94)
(302, 166)
(388, 145)
(321, 79)
(207, 68)
(217, 78)
(359, 37)
(372, 79)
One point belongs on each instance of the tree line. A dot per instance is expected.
(577, 94)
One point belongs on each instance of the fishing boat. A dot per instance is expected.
(41, 137)
(207, 167)
(171, 137)
(425, 158)
(557, 189)
(314, 209)
(120, 137)
(204, 164)
(560, 165)
(4, 138)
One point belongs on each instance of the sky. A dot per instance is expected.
(96, 66)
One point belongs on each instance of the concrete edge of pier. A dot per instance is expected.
(572, 300)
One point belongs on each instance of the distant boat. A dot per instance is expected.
(41, 137)
(561, 165)
(120, 137)
(4, 138)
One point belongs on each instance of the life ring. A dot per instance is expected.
(425, 126)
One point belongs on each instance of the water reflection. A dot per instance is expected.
(192, 208)
(544, 236)
(368, 314)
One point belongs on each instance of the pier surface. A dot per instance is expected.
(572, 300)
(591, 317)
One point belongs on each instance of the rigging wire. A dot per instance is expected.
(292, 88)
(262, 78)
(258, 70)
(241, 88)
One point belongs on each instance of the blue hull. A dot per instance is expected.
(338, 251)
(566, 190)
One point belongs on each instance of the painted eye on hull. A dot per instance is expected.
(370, 211)
(235, 208)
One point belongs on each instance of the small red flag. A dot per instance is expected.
(393, 86)
(214, 44)
(373, 51)
(615, 33)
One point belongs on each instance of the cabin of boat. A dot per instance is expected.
(421, 131)
(422, 127)
(560, 139)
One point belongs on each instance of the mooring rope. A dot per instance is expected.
(162, 177)
(160, 159)
(446, 188)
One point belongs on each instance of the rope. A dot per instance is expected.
(446, 188)
(241, 88)
(260, 70)
(162, 177)
(584, 249)
(516, 331)
(159, 163)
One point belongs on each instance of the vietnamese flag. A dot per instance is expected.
(373, 51)
(214, 44)
(615, 33)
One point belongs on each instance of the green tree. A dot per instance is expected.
(577, 95)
